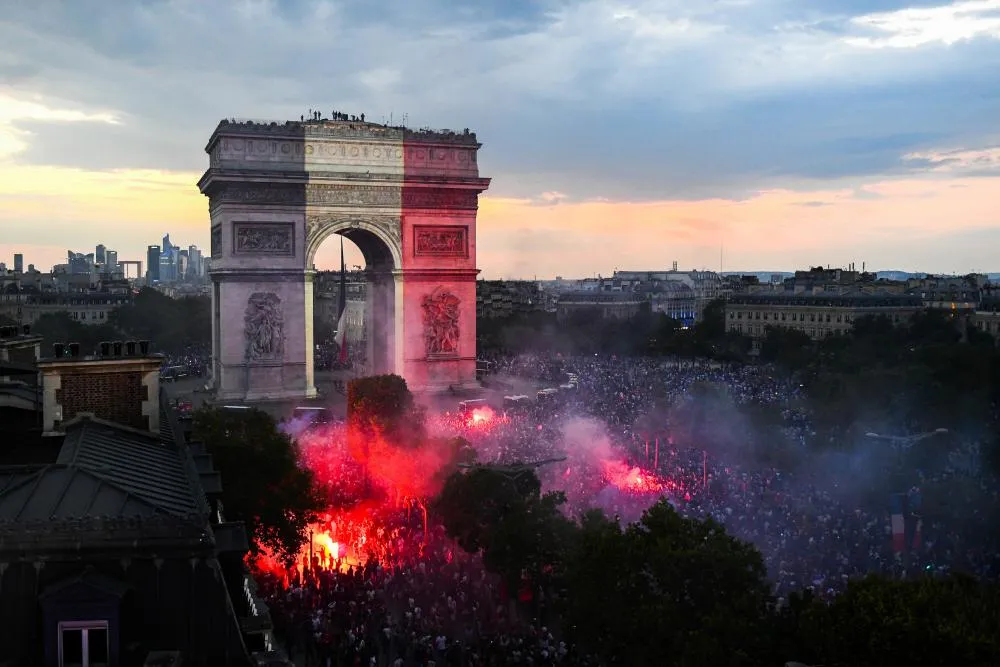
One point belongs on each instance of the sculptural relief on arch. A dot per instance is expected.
(407, 199)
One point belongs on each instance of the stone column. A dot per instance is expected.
(310, 342)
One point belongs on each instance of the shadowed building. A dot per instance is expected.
(113, 545)
(618, 305)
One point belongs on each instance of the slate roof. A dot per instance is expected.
(14, 475)
(137, 462)
(68, 492)
(20, 390)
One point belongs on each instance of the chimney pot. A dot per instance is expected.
(74, 350)
(59, 350)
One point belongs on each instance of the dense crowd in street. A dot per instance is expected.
(439, 607)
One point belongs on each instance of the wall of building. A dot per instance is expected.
(121, 390)
(172, 604)
(816, 321)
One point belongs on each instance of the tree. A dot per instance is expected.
(61, 328)
(263, 484)
(502, 513)
(171, 324)
(383, 405)
(928, 621)
(665, 591)
(786, 347)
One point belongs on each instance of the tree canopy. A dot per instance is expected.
(502, 513)
(172, 325)
(383, 404)
(262, 483)
(665, 591)
(927, 621)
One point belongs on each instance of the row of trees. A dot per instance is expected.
(676, 591)
(587, 332)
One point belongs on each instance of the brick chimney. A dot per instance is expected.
(120, 383)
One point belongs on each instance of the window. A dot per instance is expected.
(83, 644)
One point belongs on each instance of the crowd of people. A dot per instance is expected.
(422, 602)
(438, 606)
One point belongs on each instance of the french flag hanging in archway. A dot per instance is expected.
(340, 338)
(898, 522)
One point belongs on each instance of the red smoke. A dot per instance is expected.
(376, 492)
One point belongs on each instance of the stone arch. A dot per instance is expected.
(377, 238)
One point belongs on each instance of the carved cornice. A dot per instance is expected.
(257, 275)
(347, 195)
(438, 275)
(338, 130)
(231, 173)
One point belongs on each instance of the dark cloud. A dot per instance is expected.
(563, 99)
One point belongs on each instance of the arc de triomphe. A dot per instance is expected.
(407, 198)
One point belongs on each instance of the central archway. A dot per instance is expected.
(382, 315)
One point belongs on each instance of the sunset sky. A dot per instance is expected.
(755, 134)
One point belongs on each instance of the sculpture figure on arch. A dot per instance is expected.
(441, 322)
(264, 327)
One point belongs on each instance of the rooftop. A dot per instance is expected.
(338, 129)
(595, 296)
(849, 299)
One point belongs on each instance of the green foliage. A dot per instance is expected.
(503, 514)
(665, 591)
(61, 328)
(949, 621)
(170, 324)
(262, 483)
(588, 332)
(383, 405)
(786, 347)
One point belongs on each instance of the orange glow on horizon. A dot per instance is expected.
(776, 229)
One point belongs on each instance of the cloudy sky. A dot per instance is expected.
(618, 134)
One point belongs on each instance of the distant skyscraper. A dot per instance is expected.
(167, 245)
(78, 263)
(111, 261)
(153, 263)
(18, 263)
(181, 261)
(100, 253)
(195, 267)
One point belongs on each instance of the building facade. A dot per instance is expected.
(816, 315)
(616, 305)
(86, 308)
(506, 298)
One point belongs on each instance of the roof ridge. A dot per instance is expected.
(84, 418)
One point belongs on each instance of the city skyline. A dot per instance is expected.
(742, 135)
